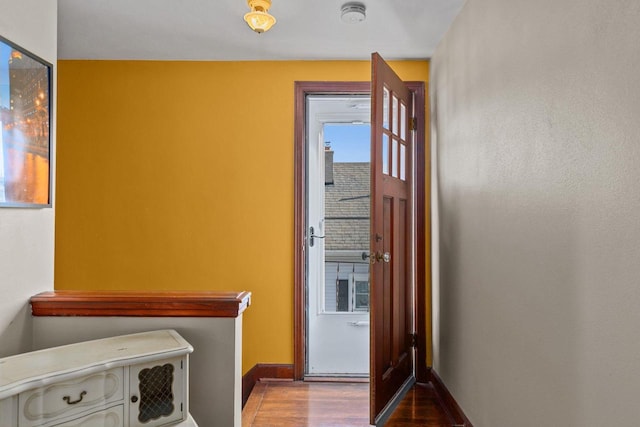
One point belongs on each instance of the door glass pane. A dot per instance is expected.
(394, 114)
(403, 162)
(361, 292)
(394, 158)
(362, 302)
(403, 122)
(385, 154)
(342, 295)
(345, 225)
(385, 108)
(362, 286)
(331, 290)
(338, 201)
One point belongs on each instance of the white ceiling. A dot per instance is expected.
(215, 30)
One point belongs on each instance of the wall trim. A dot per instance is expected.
(263, 371)
(448, 402)
(140, 304)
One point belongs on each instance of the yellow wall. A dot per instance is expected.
(179, 176)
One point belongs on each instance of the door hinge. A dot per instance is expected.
(414, 340)
(413, 123)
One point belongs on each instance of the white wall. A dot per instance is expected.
(536, 120)
(26, 235)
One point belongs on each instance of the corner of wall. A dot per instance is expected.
(27, 235)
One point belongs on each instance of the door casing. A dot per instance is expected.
(422, 244)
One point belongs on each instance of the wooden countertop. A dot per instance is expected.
(140, 304)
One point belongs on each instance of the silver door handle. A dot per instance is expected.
(313, 236)
(359, 323)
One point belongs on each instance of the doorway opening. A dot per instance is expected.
(338, 207)
(389, 254)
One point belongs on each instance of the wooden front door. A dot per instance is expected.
(391, 256)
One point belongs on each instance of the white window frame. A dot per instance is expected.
(353, 278)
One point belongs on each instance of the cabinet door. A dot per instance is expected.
(111, 417)
(157, 393)
(9, 411)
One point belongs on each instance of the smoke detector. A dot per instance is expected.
(352, 13)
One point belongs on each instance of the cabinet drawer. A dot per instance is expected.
(68, 398)
(111, 417)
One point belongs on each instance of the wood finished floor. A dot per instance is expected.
(300, 404)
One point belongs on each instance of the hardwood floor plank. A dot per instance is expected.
(299, 404)
(252, 406)
(419, 407)
(317, 404)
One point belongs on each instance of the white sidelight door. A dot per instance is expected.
(338, 234)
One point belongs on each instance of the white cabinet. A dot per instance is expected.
(157, 393)
(127, 381)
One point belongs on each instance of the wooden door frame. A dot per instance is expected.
(302, 89)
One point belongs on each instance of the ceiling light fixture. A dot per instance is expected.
(353, 13)
(259, 18)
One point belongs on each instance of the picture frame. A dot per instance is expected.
(25, 128)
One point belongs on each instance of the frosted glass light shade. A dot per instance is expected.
(259, 19)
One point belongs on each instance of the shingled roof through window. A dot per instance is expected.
(347, 207)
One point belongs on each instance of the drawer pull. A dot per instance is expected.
(68, 399)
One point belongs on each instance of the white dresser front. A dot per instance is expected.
(109, 417)
(61, 400)
(138, 380)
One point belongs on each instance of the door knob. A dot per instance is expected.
(386, 257)
(376, 257)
